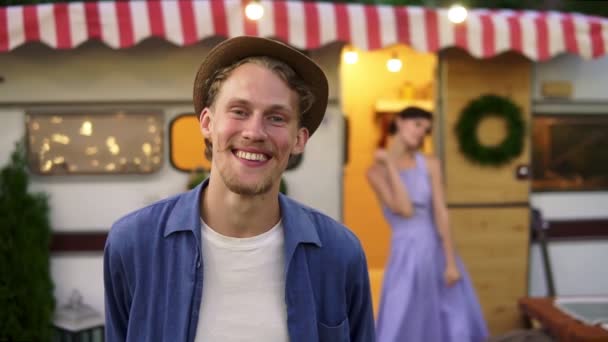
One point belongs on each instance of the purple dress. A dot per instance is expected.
(416, 305)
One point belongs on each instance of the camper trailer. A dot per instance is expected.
(123, 77)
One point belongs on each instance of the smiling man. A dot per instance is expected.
(233, 259)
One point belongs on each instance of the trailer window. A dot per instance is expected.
(114, 142)
(186, 144)
(569, 152)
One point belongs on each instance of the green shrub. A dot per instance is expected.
(26, 289)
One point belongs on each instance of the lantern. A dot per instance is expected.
(77, 321)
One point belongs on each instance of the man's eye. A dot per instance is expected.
(238, 112)
(277, 118)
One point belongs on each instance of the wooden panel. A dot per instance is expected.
(492, 238)
(464, 79)
(559, 324)
(493, 244)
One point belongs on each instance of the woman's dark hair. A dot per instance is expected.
(409, 113)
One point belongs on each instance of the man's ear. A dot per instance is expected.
(301, 139)
(206, 122)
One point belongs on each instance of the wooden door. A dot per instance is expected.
(488, 205)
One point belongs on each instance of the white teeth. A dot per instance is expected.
(251, 156)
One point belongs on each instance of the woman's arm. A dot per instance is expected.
(440, 212)
(383, 176)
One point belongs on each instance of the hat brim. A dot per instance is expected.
(232, 50)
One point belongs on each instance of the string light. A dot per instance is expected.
(60, 138)
(112, 145)
(48, 165)
(147, 149)
(254, 10)
(350, 56)
(457, 14)
(86, 129)
(89, 151)
(394, 64)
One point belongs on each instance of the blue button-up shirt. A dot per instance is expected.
(154, 280)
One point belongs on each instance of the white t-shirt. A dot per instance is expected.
(243, 288)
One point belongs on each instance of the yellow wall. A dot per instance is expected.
(362, 85)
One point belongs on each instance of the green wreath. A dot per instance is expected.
(474, 113)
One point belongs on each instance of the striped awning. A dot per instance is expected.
(305, 25)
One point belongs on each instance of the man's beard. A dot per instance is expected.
(233, 184)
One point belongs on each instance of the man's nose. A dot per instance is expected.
(254, 128)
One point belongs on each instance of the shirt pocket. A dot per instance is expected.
(334, 333)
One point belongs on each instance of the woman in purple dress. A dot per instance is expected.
(427, 295)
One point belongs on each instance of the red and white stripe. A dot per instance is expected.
(305, 25)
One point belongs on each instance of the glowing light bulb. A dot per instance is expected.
(351, 57)
(86, 129)
(394, 64)
(254, 10)
(60, 138)
(457, 14)
(147, 149)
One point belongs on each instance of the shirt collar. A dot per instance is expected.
(298, 225)
(186, 213)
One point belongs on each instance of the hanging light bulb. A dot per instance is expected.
(254, 10)
(350, 56)
(394, 64)
(457, 14)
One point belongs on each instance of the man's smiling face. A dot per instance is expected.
(253, 126)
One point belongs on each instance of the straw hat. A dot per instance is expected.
(232, 50)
